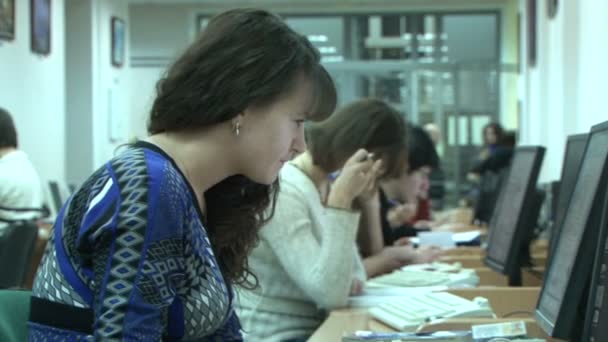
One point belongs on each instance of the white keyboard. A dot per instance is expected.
(410, 278)
(434, 274)
(409, 313)
(443, 267)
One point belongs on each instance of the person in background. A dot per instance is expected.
(487, 174)
(400, 197)
(21, 195)
(501, 156)
(307, 261)
(436, 192)
(150, 247)
(493, 134)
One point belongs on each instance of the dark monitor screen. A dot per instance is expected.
(565, 282)
(56, 199)
(508, 228)
(575, 149)
(596, 318)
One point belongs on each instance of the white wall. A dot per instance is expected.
(95, 88)
(108, 78)
(563, 94)
(32, 89)
(79, 90)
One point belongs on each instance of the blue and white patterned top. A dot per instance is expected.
(131, 245)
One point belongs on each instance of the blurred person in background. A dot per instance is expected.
(21, 194)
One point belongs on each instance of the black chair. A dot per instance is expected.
(489, 190)
(16, 249)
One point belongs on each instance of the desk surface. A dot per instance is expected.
(347, 321)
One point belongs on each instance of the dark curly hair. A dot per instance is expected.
(243, 58)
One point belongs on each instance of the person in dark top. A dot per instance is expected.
(399, 196)
(150, 247)
(488, 174)
(500, 157)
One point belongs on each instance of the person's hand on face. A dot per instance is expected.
(357, 176)
(400, 214)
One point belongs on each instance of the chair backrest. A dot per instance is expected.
(16, 249)
(14, 314)
(489, 190)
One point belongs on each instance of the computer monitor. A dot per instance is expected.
(575, 149)
(511, 224)
(596, 317)
(567, 277)
(56, 198)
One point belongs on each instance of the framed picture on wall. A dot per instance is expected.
(118, 41)
(7, 19)
(531, 32)
(41, 26)
(552, 6)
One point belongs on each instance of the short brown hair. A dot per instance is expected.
(8, 133)
(370, 124)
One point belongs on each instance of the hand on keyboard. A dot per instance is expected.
(426, 254)
(409, 313)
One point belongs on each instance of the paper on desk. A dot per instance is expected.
(441, 239)
(456, 237)
(376, 295)
(466, 236)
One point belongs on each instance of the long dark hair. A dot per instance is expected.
(369, 123)
(243, 58)
(498, 131)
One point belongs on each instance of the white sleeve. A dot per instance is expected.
(322, 268)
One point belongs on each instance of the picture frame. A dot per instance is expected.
(531, 32)
(7, 19)
(552, 7)
(118, 42)
(40, 26)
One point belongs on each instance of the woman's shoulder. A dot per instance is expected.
(142, 161)
(295, 181)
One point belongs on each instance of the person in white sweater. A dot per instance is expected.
(21, 195)
(307, 261)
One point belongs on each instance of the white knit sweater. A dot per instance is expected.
(306, 261)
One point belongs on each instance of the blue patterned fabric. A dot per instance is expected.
(130, 245)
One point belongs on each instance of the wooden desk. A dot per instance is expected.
(539, 247)
(477, 260)
(504, 301)
(343, 322)
(489, 277)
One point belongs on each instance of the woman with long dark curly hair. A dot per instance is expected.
(150, 246)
